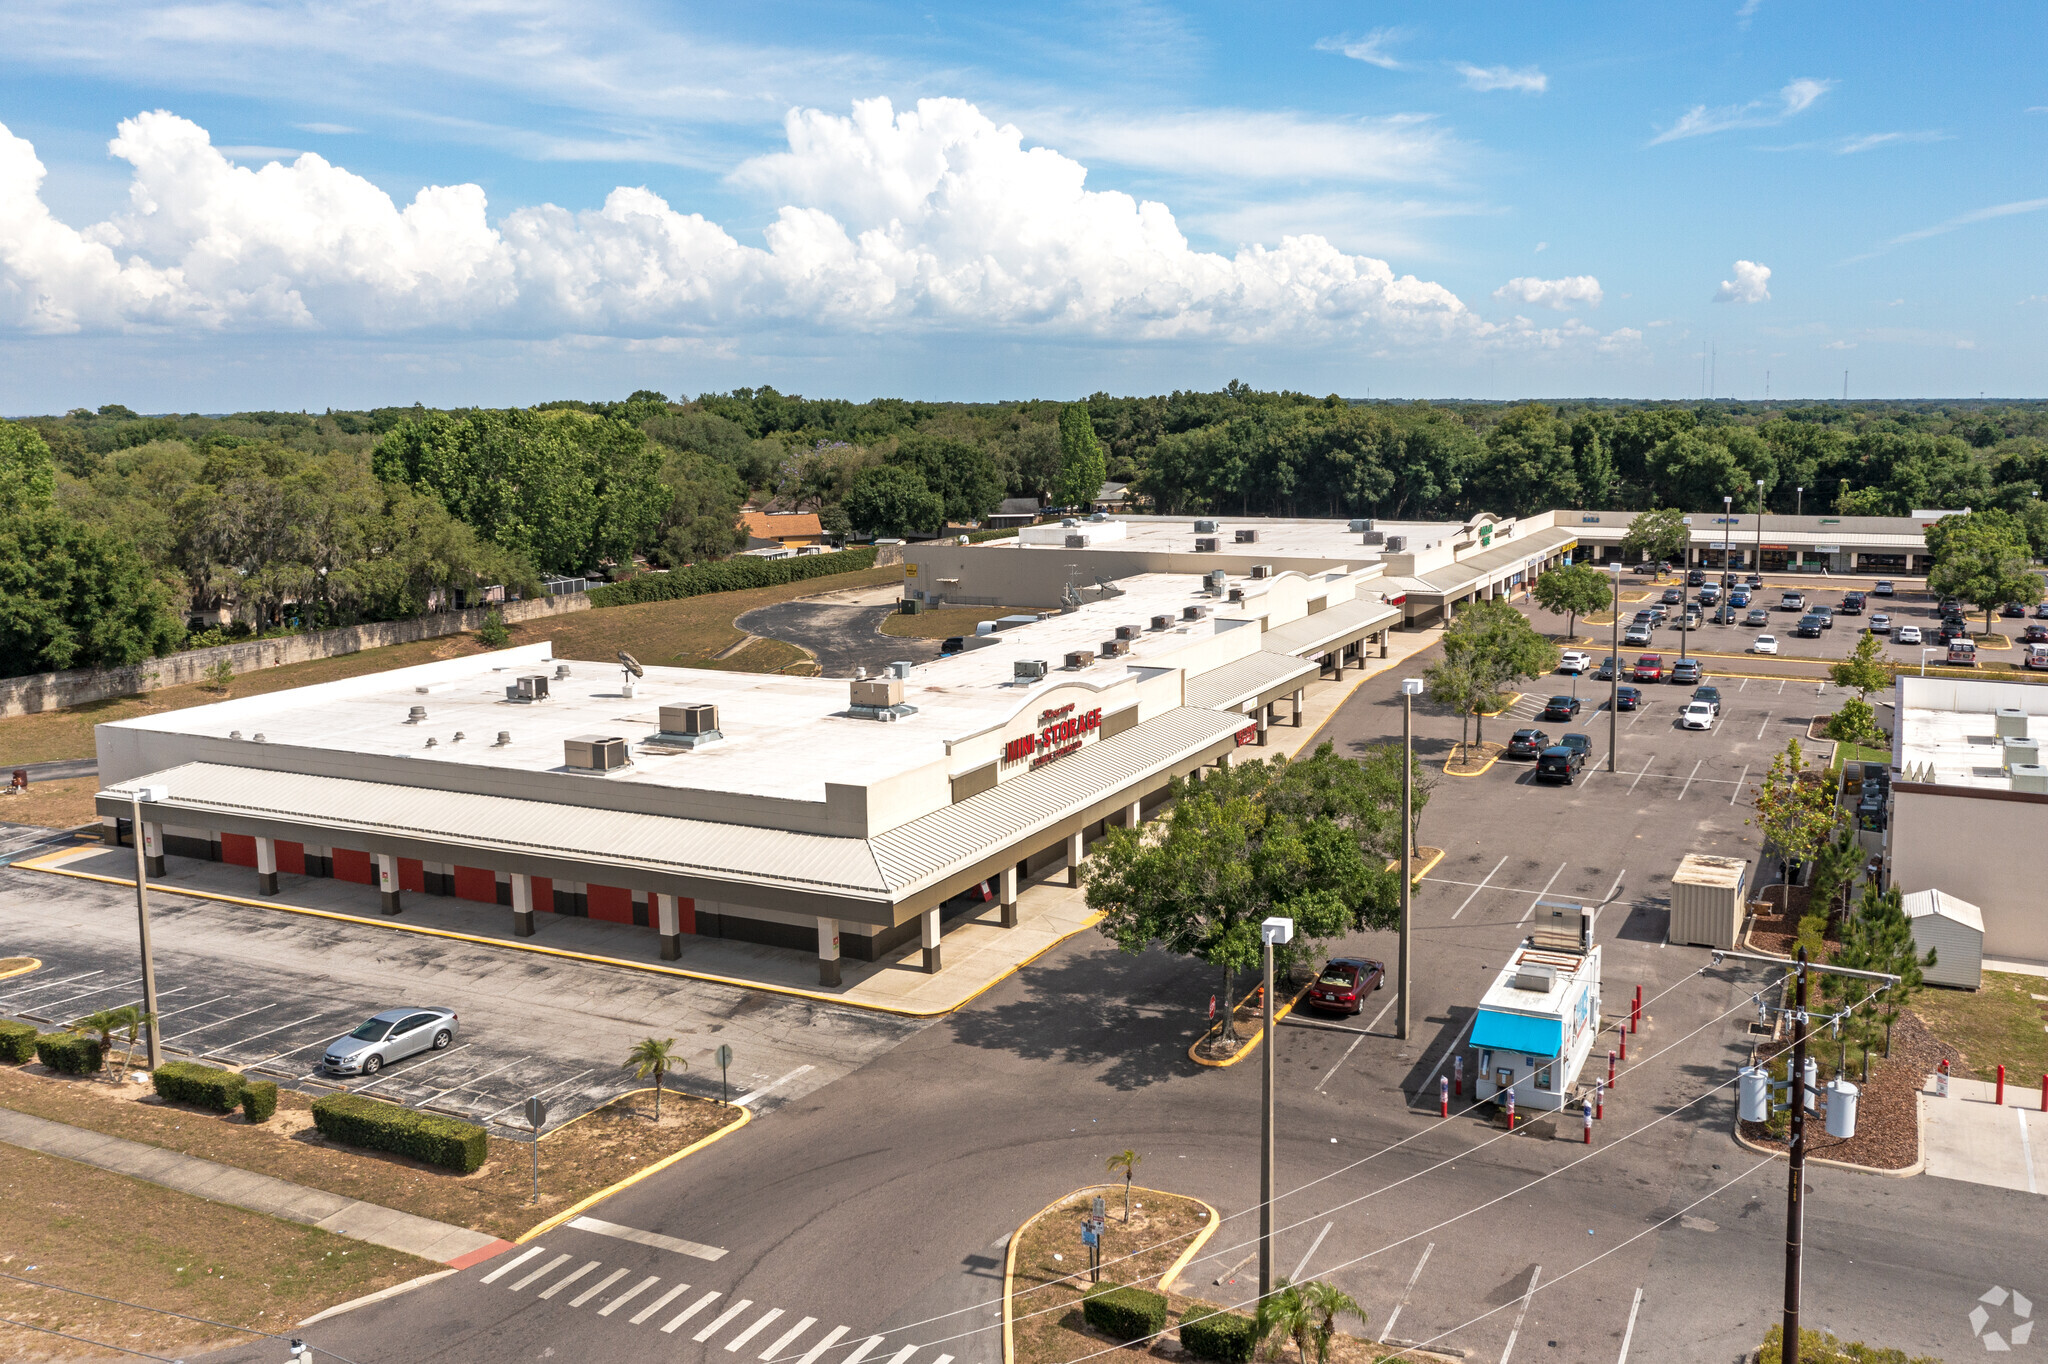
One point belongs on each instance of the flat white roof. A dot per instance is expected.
(1284, 537)
(1569, 969)
(1959, 747)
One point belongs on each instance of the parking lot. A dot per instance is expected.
(265, 992)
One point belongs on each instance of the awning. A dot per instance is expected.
(1342, 624)
(1260, 677)
(1518, 1032)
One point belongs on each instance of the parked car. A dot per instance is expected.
(2012, 610)
(1883, 588)
(390, 1036)
(1757, 616)
(1527, 743)
(1659, 612)
(1951, 631)
(1906, 634)
(1809, 627)
(1696, 578)
(1344, 984)
(1627, 698)
(1764, 644)
(1672, 596)
(2037, 657)
(1696, 715)
(1880, 624)
(1649, 668)
(1724, 616)
(2035, 633)
(1739, 597)
(1559, 764)
(1651, 570)
(1605, 673)
(1560, 708)
(1709, 595)
(1581, 742)
(1962, 653)
(1826, 614)
(1755, 581)
(1792, 601)
(1686, 672)
(1638, 633)
(1710, 695)
(1852, 604)
(1951, 606)
(1692, 618)
(1574, 661)
(2041, 611)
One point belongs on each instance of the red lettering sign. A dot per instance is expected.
(1056, 739)
(1248, 734)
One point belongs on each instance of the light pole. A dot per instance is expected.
(1799, 500)
(1727, 546)
(136, 796)
(1923, 659)
(1684, 586)
(1758, 568)
(1614, 672)
(1272, 931)
(1411, 687)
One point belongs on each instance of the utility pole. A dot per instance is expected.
(1795, 1197)
(1272, 931)
(1614, 673)
(1410, 686)
(136, 795)
(1758, 567)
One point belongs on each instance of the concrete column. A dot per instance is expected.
(1134, 815)
(1337, 662)
(522, 905)
(387, 882)
(930, 931)
(1223, 759)
(266, 866)
(1300, 700)
(152, 836)
(828, 951)
(110, 830)
(1383, 642)
(1265, 718)
(1006, 894)
(668, 922)
(1076, 849)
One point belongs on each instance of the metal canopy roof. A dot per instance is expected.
(1505, 555)
(1340, 624)
(1256, 677)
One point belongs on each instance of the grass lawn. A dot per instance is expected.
(575, 1160)
(2001, 1022)
(62, 804)
(71, 1224)
(1857, 753)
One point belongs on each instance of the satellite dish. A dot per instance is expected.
(632, 664)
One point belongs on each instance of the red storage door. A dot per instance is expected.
(474, 883)
(412, 875)
(239, 849)
(350, 865)
(544, 893)
(291, 857)
(609, 903)
(686, 914)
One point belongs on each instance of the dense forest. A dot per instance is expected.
(124, 535)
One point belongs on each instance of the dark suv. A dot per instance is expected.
(1809, 627)
(1852, 604)
(1559, 764)
(1527, 743)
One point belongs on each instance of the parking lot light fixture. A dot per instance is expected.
(1923, 659)
(1614, 674)
(1411, 687)
(1274, 930)
(155, 795)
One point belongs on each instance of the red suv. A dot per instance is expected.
(1649, 668)
(1345, 982)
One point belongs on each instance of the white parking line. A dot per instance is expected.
(13, 995)
(1629, 1334)
(1615, 889)
(467, 1083)
(1739, 777)
(1640, 775)
(48, 1004)
(252, 1037)
(635, 1291)
(738, 1341)
(203, 1027)
(1688, 781)
(510, 1265)
(1765, 725)
(1522, 1315)
(746, 1099)
(782, 1341)
(1395, 1316)
(664, 1300)
(1543, 892)
(429, 1059)
(1481, 886)
(831, 1339)
(1313, 1246)
(189, 1007)
(539, 1094)
(600, 1286)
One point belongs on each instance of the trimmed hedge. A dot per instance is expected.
(1125, 1313)
(1223, 1336)
(730, 575)
(191, 1083)
(17, 1043)
(259, 1100)
(447, 1142)
(69, 1052)
(982, 537)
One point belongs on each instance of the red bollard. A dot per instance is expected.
(1458, 1075)
(1600, 1098)
(1635, 1012)
(1624, 1044)
(2001, 1086)
(1511, 1110)
(1443, 1098)
(1610, 1068)
(1589, 1124)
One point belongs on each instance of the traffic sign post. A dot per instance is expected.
(724, 1058)
(536, 1115)
(1097, 1214)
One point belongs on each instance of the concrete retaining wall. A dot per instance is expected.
(57, 691)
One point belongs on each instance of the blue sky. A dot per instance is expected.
(307, 204)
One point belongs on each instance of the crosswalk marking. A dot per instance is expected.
(647, 1238)
(866, 1346)
(782, 1341)
(902, 1354)
(739, 1341)
(659, 1303)
(550, 1267)
(827, 1343)
(600, 1286)
(692, 1310)
(510, 1265)
(620, 1301)
(569, 1278)
(721, 1319)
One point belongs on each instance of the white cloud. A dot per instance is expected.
(1839, 345)
(1526, 79)
(933, 217)
(1748, 10)
(1371, 49)
(1552, 293)
(1239, 144)
(326, 129)
(1541, 247)
(1849, 146)
(260, 153)
(1975, 216)
(1699, 121)
(1752, 284)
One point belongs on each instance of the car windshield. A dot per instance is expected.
(376, 1030)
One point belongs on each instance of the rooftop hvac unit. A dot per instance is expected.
(1162, 622)
(533, 688)
(1262, 570)
(877, 692)
(1205, 527)
(1537, 976)
(1077, 541)
(1115, 648)
(1236, 594)
(1361, 523)
(1069, 522)
(1217, 580)
(900, 668)
(1129, 631)
(1080, 658)
(561, 671)
(2032, 778)
(1029, 670)
(1193, 612)
(594, 752)
(1397, 544)
(1205, 544)
(1375, 537)
(695, 719)
(1245, 537)
(2022, 753)
(2012, 722)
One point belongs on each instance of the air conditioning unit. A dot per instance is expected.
(1162, 622)
(1115, 648)
(2031, 778)
(594, 752)
(1262, 570)
(900, 668)
(2011, 722)
(697, 719)
(1205, 544)
(1535, 976)
(1217, 582)
(1205, 527)
(1375, 537)
(1245, 537)
(2022, 753)
(1029, 670)
(1397, 544)
(1236, 594)
(1361, 523)
(877, 692)
(1079, 659)
(1077, 541)
(1193, 612)
(1129, 631)
(528, 689)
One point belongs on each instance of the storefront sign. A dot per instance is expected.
(1827, 549)
(1061, 731)
(1249, 734)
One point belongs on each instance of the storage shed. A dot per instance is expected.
(1707, 900)
(1954, 928)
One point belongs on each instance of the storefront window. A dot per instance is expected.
(1543, 1077)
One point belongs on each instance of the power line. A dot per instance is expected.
(86, 1340)
(162, 1312)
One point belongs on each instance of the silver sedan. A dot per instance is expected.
(390, 1036)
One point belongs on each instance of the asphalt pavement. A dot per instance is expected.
(842, 630)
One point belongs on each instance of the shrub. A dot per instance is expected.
(1223, 1336)
(1856, 723)
(494, 633)
(259, 1100)
(191, 1083)
(446, 1142)
(1125, 1313)
(729, 575)
(1824, 1347)
(69, 1052)
(17, 1043)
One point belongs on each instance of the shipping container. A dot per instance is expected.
(1707, 900)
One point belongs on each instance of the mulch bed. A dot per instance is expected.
(1469, 759)
(1887, 1115)
(1776, 929)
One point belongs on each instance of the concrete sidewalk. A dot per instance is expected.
(1971, 1138)
(380, 1226)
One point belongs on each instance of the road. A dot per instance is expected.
(868, 1215)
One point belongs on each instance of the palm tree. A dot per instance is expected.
(650, 1057)
(1328, 1302)
(132, 1027)
(1285, 1315)
(104, 1024)
(1127, 1161)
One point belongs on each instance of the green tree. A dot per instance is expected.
(72, 597)
(1327, 1303)
(28, 473)
(959, 471)
(1835, 865)
(657, 1058)
(1795, 808)
(702, 518)
(1983, 558)
(1573, 591)
(132, 1028)
(893, 501)
(1864, 670)
(494, 633)
(1082, 465)
(1856, 723)
(1127, 1161)
(105, 1024)
(1498, 646)
(1453, 684)
(1878, 937)
(1660, 533)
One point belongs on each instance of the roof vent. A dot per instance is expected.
(432, 742)
(234, 734)
(259, 736)
(561, 671)
(2012, 722)
(504, 738)
(594, 752)
(900, 668)
(1028, 670)
(1205, 527)
(1537, 976)
(415, 715)
(2031, 778)
(458, 736)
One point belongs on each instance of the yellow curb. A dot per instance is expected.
(1251, 1044)
(1427, 867)
(1010, 1255)
(44, 864)
(1480, 773)
(1506, 704)
(13, 971)
(746, 1116)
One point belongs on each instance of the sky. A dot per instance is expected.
(212, 205)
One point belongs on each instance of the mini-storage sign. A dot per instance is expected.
(1061, 730)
